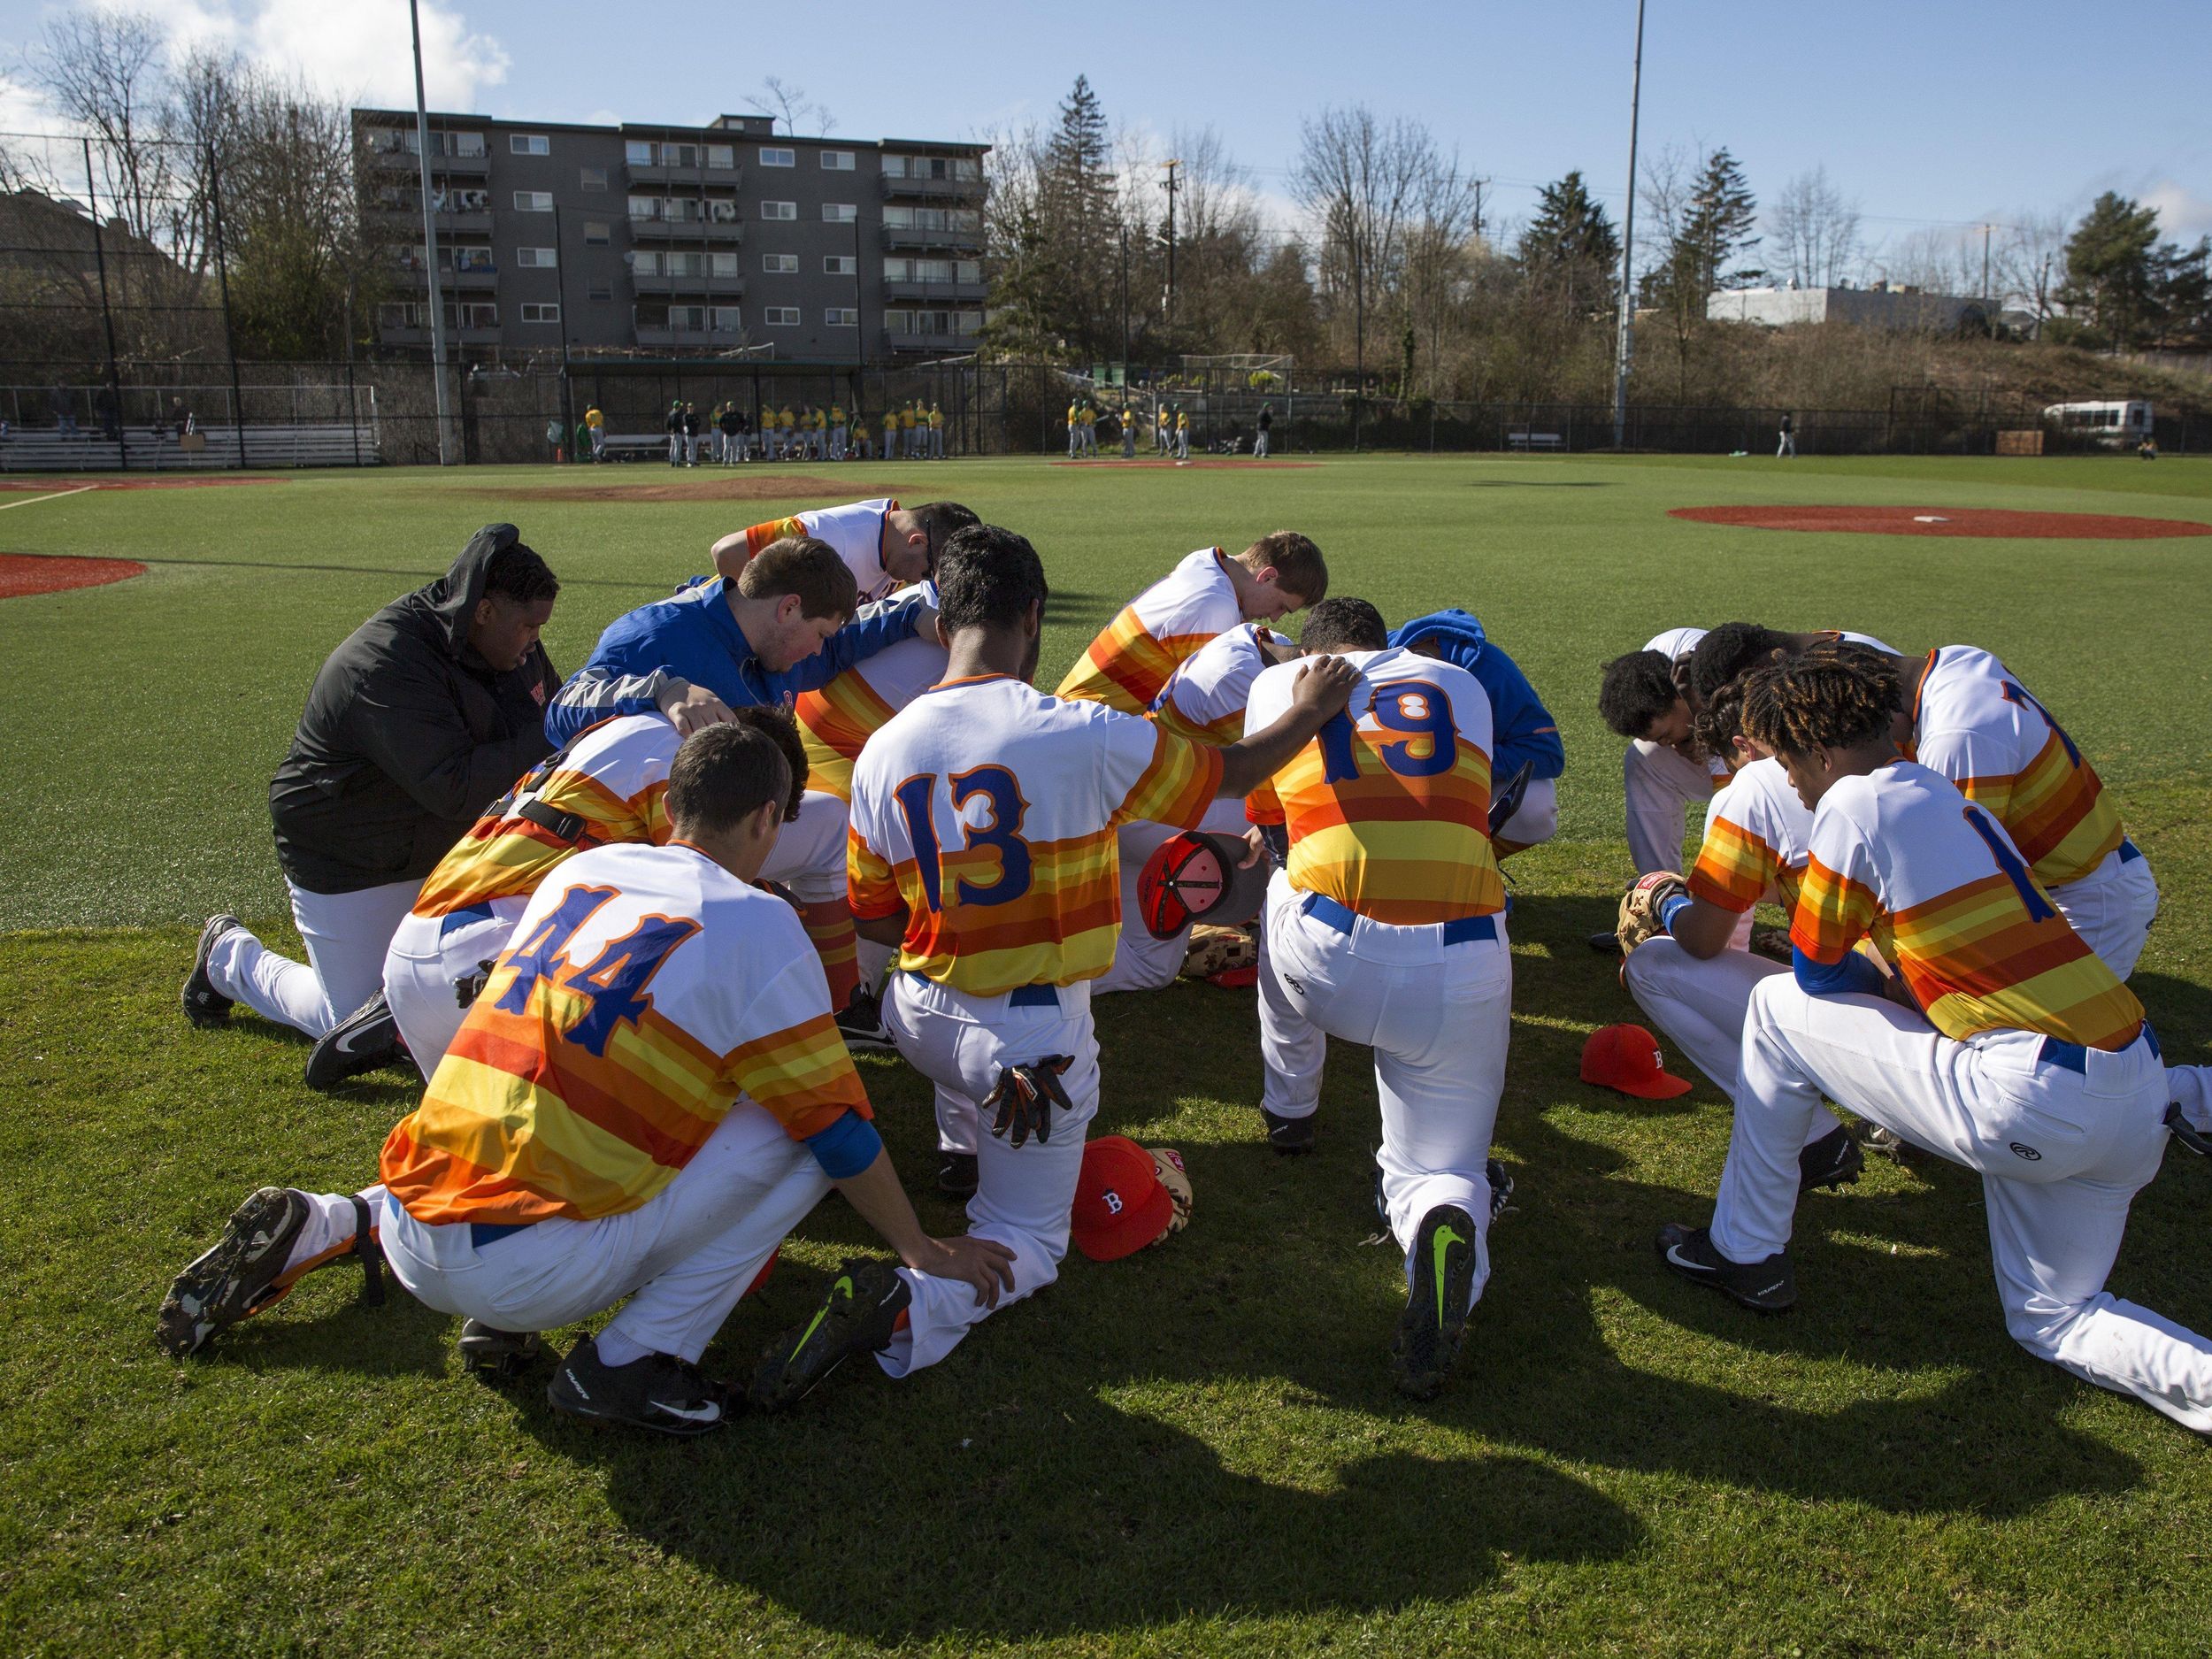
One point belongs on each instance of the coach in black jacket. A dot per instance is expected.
(416, 724)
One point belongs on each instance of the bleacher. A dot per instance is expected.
(49, 449)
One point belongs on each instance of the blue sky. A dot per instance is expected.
(1936, 113)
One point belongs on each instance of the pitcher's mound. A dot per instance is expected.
(1976, 521)
(23, 573)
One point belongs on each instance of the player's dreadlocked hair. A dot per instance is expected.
(1833, 696)
(1720, 722)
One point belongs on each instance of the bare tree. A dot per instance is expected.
(778, 97)
(1935, 258)
(2029, 262)
(1364, 183)
(1813, 230)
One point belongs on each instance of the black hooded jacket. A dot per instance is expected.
(408, 735)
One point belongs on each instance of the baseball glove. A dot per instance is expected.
(1167, 1162)
(1024, 1097)
(1641, 904)
(1213, 950)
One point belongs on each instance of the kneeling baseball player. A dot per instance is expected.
(2019, 1055)
(983, 846)
(649, 1095)
(1386, 927)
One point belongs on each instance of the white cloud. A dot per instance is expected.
(352, 50)
(2183, 215)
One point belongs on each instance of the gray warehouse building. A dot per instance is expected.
(678, 241)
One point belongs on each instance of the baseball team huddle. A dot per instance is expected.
(632, 925)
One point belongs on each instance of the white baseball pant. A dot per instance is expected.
(1437, 1017)
(1259, 445)
(429, 958)
(2063, 1138)
(2112, 907)
(808, 856)
(1024, 1194)
(683, 1257)
(1700, 1006)
(1661, 782)
(346, 935)
(1537, 818)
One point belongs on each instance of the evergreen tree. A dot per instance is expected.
(2113, 271)
(1569, 227)
(1718, 229)
(1077, 215)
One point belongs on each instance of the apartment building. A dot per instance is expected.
(667, 241)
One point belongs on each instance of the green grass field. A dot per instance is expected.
(1196, 1450)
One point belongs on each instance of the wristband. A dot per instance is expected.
(1672, 909)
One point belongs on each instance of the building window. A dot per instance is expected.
(535, 258)
(780, 317)
(528, 144)
(842, 316)
(777, 155)
(594, 234)
(536, 313)
(837, 161)
(468, 259)
(637, 152)
(779, 263)
(779, 210)
(534, 201)
(722, 264)
(722, 157)
(840, 264)
(838, 212)
(599, 291)
(593, 179)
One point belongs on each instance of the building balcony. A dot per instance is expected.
(403, 161)
(717, 178)
(942, 344)
(727, 231)
(453, 336)
(958, 240)
(475, 222)
(479, 279)
(930, 189)
(945, 293)
(684, 286)
(719, 339)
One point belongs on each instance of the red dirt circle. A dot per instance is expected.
(1252, 461)
(22, 574)
(1954, 521)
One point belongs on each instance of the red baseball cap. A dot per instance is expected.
(1193, 875)
(1120, 1206)
(1626, 1058)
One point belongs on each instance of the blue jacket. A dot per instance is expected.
(693, 636)
(1522, 728)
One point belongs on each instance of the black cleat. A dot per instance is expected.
(1834, 1160)
(204, 1004)
(234, 1280)
(366, 1040)
(659, 1392)
(495, 1354)
(1291, 1137)
(2182, 1130)
(956, 1175)
(1768, 1287)
(1501, 1189)
(859, 1316)
(1434, 1324)
(861, 1026)
(1606, 944)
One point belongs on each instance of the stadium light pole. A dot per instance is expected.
(430, 239)
(1622, 338)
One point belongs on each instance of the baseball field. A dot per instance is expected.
(1197, 1450)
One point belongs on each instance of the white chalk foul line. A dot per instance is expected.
(33, 501)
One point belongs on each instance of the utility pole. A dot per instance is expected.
(107, 316)
(430, 239)
(222, 272)
(1124, 317)
(1623, 338)
(1359, 336)
(1479, 184)
(1167, 310)
(1989, 314)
